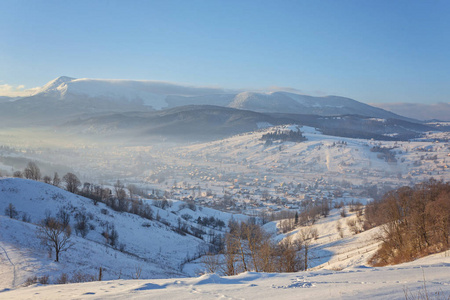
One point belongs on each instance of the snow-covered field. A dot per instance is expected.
(427, 276)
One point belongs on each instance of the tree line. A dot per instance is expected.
(120, 200)
(280, 135)
(415, 222)
(248, 247)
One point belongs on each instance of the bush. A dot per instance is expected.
(82, 224)
(353, 226)
(78, 277)
(30, 281)
(187, 217)
(44, 279)
(26, 217)
(63, 279)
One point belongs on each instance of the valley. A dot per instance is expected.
(243, 173)
(164, 190)
(224, 150)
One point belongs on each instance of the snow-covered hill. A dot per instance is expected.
(333, 158)
(343, 273)
(339, 263)
(149, 245)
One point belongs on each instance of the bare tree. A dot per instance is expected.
(11, 211)
(121, 195)
(132, 190)
(82, 224)
(32, 171)
(18, 174)
(47, 179)
(287, 249)
(305, 237)
(339, 229)
(118, 187)
(56, 179)
(72, 182)
(255, 237)
(55, 236)
(353, 226)
(230, 255)
(63, 217)
(211, 262)
(137, 272)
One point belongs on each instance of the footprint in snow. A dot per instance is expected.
(299, 283)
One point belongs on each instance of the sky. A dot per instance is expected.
(372, 51)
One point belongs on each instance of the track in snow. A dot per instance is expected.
(12, 264)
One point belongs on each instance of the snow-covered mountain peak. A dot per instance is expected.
(55, 84)
(142, 92)
(240, 99)
(265, 102)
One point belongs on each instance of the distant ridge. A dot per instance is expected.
(419, 111)
(99, 95)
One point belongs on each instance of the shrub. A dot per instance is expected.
(30, 281)
(26, 217)
(78, 277)
(44, 279)
(63, 279)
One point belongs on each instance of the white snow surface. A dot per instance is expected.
(339, 267)
(149, 244)
(329, 157)
(147, 92)
(356, 283)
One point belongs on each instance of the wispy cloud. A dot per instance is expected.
(16, 91)
(296, 91)
(284, 89)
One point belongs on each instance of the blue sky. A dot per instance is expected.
(372, 51)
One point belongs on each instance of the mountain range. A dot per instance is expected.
(140, 108)
(62, 95)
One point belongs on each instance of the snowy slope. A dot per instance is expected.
(149, 244)
(146, 92)
(21, 256)
(356, 283)
(335, 158)
(284, 102)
